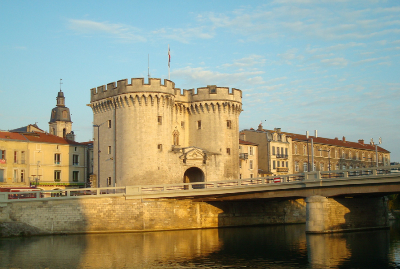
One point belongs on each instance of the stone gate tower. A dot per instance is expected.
(155, 133)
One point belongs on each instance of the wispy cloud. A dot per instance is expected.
(119, 31)
(339, 62)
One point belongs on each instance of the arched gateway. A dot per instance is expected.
(194, 174)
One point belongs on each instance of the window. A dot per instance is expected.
(321, 167)
(22, 157)
(75, 176)
(350, 155)
(3, 155)
(109, 181)
(279, 163)
(109, 150)
(250, 150)
(296, 167)
(22, 176)
(15, 157)
(273, 150)
(159, 146)
(57, 175)
(287, 164)
(337, 166)
(295, 149)
(240, 176)
(64, 114)
(304, 150)
(286, 152)
(75, 159)
(182, 124)
(199, 124)
(109, 123)
(277, 151)
(305, 167)
(251, 164)
(15, 175)
(273, 165)
(76, 148)
(159, 119)
(57, 158)
(228, 124)
(251, 175)
(228, 151)
(336, 154)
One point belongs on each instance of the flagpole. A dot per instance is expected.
(169, 63)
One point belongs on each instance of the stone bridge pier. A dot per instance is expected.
(341, 214)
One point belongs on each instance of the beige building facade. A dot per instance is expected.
(30, 156)
(41, 159)
(282, 153)
(335, 154)
(155, 133)
(248, 159)
(274, 150)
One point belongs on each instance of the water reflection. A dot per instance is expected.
(255, 247)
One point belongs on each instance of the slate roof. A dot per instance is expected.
(242, 142)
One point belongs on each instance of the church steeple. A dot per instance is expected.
(60, 99)
(60, 120)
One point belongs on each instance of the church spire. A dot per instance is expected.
(60, 120)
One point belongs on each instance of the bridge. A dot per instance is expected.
(334, 198)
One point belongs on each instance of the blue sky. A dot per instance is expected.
(303, 65)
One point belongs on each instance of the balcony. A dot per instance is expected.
(243, 156)
(282, 156)
(282, 169)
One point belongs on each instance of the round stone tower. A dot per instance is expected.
(155, 134)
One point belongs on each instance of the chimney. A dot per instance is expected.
(278, 130)
(361, 141)
(344, 139)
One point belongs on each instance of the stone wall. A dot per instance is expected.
(325, 215)
(119, 215)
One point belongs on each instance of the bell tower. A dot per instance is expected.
(60, 120)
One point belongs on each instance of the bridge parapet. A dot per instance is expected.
(320, 179)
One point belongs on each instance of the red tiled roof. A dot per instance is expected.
(37, 137)
(329, 141)
(337, 142)
(247, 143)
(12, 136)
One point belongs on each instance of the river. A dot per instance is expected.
(284, 246)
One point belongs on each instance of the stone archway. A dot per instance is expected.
(194, 174)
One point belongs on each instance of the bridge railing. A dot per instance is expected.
(198, 186)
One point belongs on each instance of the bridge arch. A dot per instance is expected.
(193, 174)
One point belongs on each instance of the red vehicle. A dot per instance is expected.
(20, 192)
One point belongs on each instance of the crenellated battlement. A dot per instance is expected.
(209, 93)
(137, 85)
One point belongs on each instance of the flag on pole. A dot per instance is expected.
(169, 57)
(169, 62)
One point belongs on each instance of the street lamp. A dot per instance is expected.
(312, 151)
(376, 148)
(98, 152)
